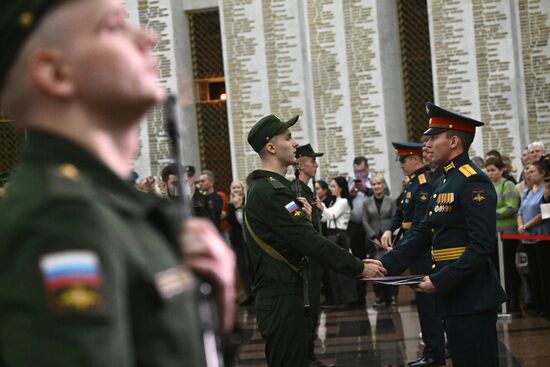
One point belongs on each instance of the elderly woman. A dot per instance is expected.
(378, 211)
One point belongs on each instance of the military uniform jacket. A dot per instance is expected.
(414, 200)
(460, 222)
(274, 215)
(91, 271)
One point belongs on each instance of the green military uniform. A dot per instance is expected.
(92, 272)
(274, 221)
(315, 270)
(460, 224)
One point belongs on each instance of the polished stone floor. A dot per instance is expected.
(390, 337)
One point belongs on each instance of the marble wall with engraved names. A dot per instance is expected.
(534, 20)
(320, 59)
(491, 61)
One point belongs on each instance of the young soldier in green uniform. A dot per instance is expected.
(92, 271)
(279, 237)
(460, 225)
(307, 165)
(410, 212)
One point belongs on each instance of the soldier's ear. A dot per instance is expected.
(270, 148)
(50, 73)
(455, 142)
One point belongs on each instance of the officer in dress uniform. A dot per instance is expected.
(306, 161)
(410, 212)
(280, 236)
(460, 225)
(92, 269)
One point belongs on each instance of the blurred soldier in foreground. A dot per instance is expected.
(460, 225)
(92, 271)
(281, 238)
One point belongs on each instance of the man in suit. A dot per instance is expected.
(410, 212)
(460, 225)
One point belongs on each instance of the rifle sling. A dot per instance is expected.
(270, 250)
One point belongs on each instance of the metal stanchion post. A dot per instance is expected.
(504, 314)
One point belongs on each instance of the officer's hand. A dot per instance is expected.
(426, 286)
(385, 241)
(306, 207)
(372, 269)
(521, 229)
(207, 253)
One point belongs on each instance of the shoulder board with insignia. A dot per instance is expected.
(467, 170)
(65, 180)
(422, 179)
(275, 183)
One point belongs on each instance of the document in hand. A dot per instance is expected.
(395, 280)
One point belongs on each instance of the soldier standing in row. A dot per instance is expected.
(306, 161)
(92, 269)
(411, 211)
(460, 225)
(280, 239)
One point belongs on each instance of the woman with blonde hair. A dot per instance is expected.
(378, 211)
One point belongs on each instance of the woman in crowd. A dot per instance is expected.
(336, 217)
(508, 201)
(324, 195)
(529, 222)
(236, 238)
(378, 211)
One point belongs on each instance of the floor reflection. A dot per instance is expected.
(389, 337)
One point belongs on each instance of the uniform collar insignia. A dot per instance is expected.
(449, 166)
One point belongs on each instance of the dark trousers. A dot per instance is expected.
(357, 235)
(431, 324)
(511, 275)
(543, 261)
(533, 276)
(539, 274)
(473, 339)
(283, 327)
(244, 267)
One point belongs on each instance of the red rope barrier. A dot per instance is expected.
(517, 236)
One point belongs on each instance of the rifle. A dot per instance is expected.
(206, 303)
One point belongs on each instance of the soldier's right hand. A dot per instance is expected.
(385, 240)
(373, 269)
(206, 252)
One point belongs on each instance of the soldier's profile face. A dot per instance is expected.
(109, 59)
(285, 147)
(440, 146)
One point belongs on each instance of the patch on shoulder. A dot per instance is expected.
(275, 183)
(73, 282)
(467, 170)
(478, 196)
(294, 211)
(422, 179)
(174, 281)
(66, 180)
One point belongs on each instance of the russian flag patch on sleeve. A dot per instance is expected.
(73, 281)
(294, 210)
